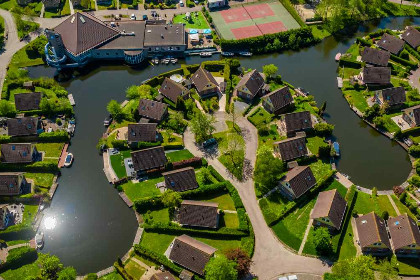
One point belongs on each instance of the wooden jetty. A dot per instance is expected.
(139, 233)
(126, 199)
(63, 156)
(71, 99)
(340, 82)
(105, 271)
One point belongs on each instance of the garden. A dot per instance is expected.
(196, 20)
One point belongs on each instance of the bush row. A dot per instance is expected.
(248, 243)
(363, 42)
(243, 219)
(19, 256)
(172, 229)
(194, 162)
(121, 271)
(157, 258)
(412, 51)
(215, 174)
(350, 194)
(350, 63)
(37, 167)
(56, 136)
(235, 195)
(407, 63)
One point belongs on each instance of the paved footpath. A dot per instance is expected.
(393, 205)
(271, 258)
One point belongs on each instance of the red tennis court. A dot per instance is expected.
(246, 32)
(272, 27)
(234, 15)
(259, 11)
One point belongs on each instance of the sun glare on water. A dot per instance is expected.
(50, 222)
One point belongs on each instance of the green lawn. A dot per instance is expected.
(314, 143)
(161, 215)
(171, 139)
(230, 220)
(409, 266)
(273, 136)
(117, 163)
(357, 99)
(22, 59)
(347, 249)
(112, 276)
(232, 159)
(260, 116)
(179, 155)
(197, 22)
(320, 169)
(44, 180)
(27, 27)
(385, 205)
(134, 270)
(403, 209)
(143, 189)
(224, 200)
(23, 272)
(366, 204)
(50, 149)
(319, 32)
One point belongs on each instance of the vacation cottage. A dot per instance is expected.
(291, 148)
(412, 37)
(198, 214)
(180, 180)
(151, 110)
(412, 115)
(141, 132)
(251, 85)
(329, 210)
(375, 57)
(19, 153)
(393, 97)
(204, 82)
(297, 182)
(173, 90)
(278, 101)
(26, 126)
(27, 101)
(390, 43)
(149, 159)
(405, 236)
(12, 183)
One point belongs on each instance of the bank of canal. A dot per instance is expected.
(94, 226)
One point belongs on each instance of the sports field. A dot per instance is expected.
(250, 20)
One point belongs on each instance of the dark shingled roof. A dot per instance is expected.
(332, 205)
(280, 98)
(298, 121)
(142, 132)
(390, 43)
(412, 37)
(10, 183)
(253, 81)
(82, 31)
(148, 159)
(371, 229)
(394, 96)
(416, 113)
(181, 180)
(131, 42)
(301, 179)
(16, 153)
(166, 275)
(172, 90)
(377, 75)
(152, 109)
(22, 126)
(27, 101)
(173, 35)
(292, 148)
(203, 80)
(191, 253)
(375, 56)
(404, 231)
(198, 214)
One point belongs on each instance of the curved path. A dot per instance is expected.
(271, 257)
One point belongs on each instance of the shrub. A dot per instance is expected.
(403, 197)
(374, 192)
(398, 190)
(166, 228)
(234, 194)
(20, 256)
(414, 151)
(157, 258)
(56, 136)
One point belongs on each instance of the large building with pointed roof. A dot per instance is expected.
(82, 38)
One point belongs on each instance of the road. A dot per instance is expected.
(271, 258)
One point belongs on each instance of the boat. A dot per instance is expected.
(39, 240)
(245, 53)
(302, 92)
(346, 176)
(336, 148)
(69, 160)
(206, 54)
(337, 57)
(174, 60)
(166, 61)
(155, 61)
(227, 54)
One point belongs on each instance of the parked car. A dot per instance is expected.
(153, 13)
(181, 3)
(408, 142)
(145, 17)
(209, 142)
(133, 17)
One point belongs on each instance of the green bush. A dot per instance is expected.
(20, 256)
(37, 167)
(410, 64)
(173, 229)
(157, 258)
(323, 129)
(148, 203)
(346, 62)
(243, 219)
(235, 195)
(248, 243)
(54, 137)
(414, 151)
(350, 194)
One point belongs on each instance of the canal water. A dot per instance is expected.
(89, 226)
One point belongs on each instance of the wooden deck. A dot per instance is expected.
(63, 156)
(71, 99)
(105, 271)
(139, 233)
(340, 82)
(126, 199)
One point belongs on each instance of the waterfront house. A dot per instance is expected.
(190, 253)
(5, 216)
(412, 115)
(180, 180)
(297, 182)
(295, 122)
(215, 4)
(412, 37)
(394, 96)
(27, 101)
(251, 85)
(329, 210)
(149, 159)
(152, 110)
(19, 153)
(372, 235)
(204, 82)
(405, 236)
(172, 90)
(375, 57)
(291, 148)
(390, 43)
(278, 101)
(162, 275)
(12, 183)
(51, 4)
(26, 126)
(198, 214)
(141, 132)
(165, 39)
(376, 75)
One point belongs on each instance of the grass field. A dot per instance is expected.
(179, 155)
(117, 163)
(230, 220)
(143, 189)
(224, 200)
(112, 276)
(134, 270)
(24, 272)
(260, 116)
(44, 180)
(50, 149)
(314, 143)
(196, 22)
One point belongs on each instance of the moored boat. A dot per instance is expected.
(227, 54)
(336, 148)
(69, 160)
(206, 54)
(245, 53)
(39, 240)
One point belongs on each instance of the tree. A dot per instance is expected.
(85, 4)
(7, 108)
(202, 126)
(233, 148)
(68, 273)
(270, 70)
(132, 92)
(145, 91)
(220, 268)
(374, 192)
(268, 168)
(171, 199)
(323, 107)
(243, 261)
(176, 122)
(323, 129)
(234, 117)
(115, 109)
(322, 241)
(50, 266)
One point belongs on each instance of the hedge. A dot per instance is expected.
(350, 63)
(121, 271)
(248, 243)
(350, 194)
(172, 229)
(407, 132)
(216, 174)
(194, 162)
(235, 195)
(157, 258)
(407, 63)
(148, 203)
(363, 42)
(37, 167)
(243, 220)
(56, 136)
(412, 51)
(20, 256)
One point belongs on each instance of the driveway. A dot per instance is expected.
(271, 258)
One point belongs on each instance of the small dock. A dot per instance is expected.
(52, 190)
(340, 82)
(139, 233)
(126, 199)
(105, 271)
(63, 156)
(71, 99)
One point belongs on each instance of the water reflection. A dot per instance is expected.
(50, 223)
